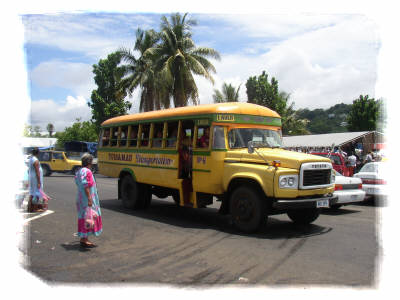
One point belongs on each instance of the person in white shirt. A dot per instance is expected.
(352, 159)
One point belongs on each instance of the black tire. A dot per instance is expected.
(145, 194)
(130, 193)
(46, 170)
(336, 206)
(175, 196)
(247, 209)
(304, 216)
(74, 170)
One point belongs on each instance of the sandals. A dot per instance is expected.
(87, 245)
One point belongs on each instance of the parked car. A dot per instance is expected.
(57, 161)
(373, 180)
(348, 189)
(338, 162)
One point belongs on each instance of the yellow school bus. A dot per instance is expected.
(231, 152)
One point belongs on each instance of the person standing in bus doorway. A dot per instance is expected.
(87, 202)
(36, 200)
(185, 167)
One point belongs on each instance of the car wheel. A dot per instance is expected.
(336, 206)
(130, 193)
(46, 170)
(304, 216)
(74, 170)
(247, 209)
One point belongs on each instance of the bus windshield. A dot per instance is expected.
(240, 137)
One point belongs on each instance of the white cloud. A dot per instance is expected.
(77, 77)
(319, 68)
(90, 34)
(61, 115)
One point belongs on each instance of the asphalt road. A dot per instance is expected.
(166, 244)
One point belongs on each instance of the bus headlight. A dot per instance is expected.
(333, 176)
(289, 182)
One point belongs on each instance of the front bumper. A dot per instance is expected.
(285, 204)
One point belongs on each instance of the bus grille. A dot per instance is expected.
(316, 177)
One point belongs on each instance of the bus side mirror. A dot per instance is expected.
(250, 147)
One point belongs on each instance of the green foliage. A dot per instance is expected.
(262, 92)
(79, 131)
(364, 114)
(107, 100)
(50, 129)
(140, 72)
(177, 59)
(229, 94)
(331, 120)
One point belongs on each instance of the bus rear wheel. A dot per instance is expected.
(247, 209)
(130, 193)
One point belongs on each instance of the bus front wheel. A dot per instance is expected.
(130, 193)
(304, 216)
(247, 209)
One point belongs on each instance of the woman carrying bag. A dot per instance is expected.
(87, 203)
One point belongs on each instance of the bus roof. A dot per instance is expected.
(240, 108)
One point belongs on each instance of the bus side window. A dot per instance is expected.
(158, 135)
(114, 136)
(123, 136)
(144, 138)
(187, 133)
(218, 138)
(172, 134)
(203, 137)
(106, 137)
(133, 136)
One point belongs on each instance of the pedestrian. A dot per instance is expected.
(352, 159)
(87, 202)
(36, 202)
(368, 158)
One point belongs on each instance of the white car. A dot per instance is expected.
(373, 180)
(348, 190)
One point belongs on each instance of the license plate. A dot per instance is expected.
(370, 191)
(353, 197)
(323, 203)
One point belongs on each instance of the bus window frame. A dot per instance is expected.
(120, 136)
(112, 140)
(196, 138)
(129, 140)
(167, 138)
(140, 140)
(154, 132)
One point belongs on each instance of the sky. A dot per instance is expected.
(319, 59)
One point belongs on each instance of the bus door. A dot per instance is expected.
(185, 168)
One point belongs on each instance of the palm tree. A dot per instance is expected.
(139, 72)
(229, 94)
(50, 129)
(178, 59)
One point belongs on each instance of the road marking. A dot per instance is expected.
(47, 212)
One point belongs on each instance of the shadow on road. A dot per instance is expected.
(74, 246)
(338, 211)
(208, 218)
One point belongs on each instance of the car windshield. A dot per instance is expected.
(334, 159)
(373, 168)
(240, 137)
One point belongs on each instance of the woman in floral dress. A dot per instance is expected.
(87, 197)
(35, 203)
